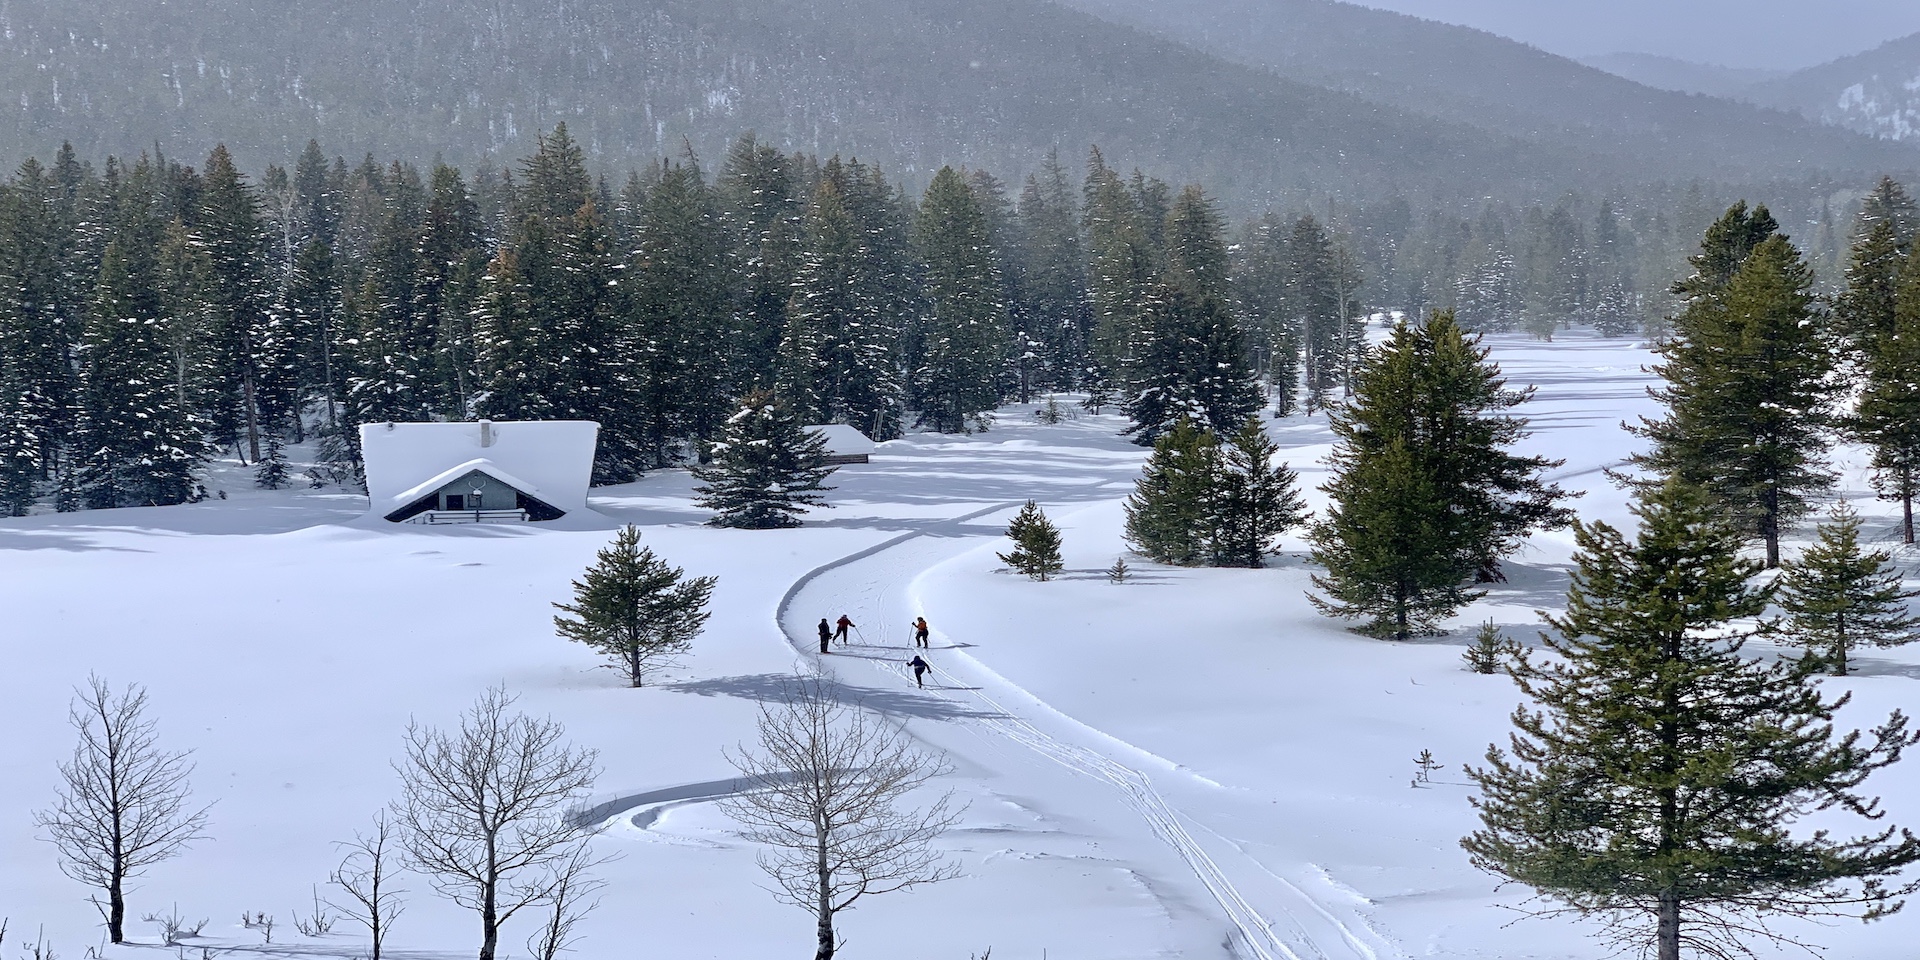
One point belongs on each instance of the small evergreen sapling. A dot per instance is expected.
(766, 468)
(1490, 650)
(1036, 550)
(1051, 412)
(1119, 572)
(1838, 598)
(271, 472)
(633, 608)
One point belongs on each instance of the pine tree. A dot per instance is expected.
(838, 360)
(271, 472)
(634, 609)
(1888, 417)
(1747, 393)
(1187, 354)
(1036, 544)
(1839, 598)
(1167, 515)
(1260, 296)
(1255, 499)
(762, 199)
(765, 469)
(1490, 650)
(1658, 776)
(249, 351)
(961, 373)
(1863, 315)
(21, 466)
(1426, 498)
(1053, 292)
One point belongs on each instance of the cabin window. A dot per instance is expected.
(473, 500)
(456, 501)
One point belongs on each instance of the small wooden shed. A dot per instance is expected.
(845, 444)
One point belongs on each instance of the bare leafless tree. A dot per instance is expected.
(483, 811)
(570, 897)
(365, 876)
(826, 793)
(123, 802)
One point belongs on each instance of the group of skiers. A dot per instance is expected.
(837, 631)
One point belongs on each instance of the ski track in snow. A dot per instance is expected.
(1305, 929)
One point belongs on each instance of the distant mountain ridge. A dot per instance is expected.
(1876, 92)
(1505, 87)
(1268, 102)
(1683, 76)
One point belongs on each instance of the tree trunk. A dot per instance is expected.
(1770, 527)
(490, 908)
(116, 910)
(1667, 936)
(1906, 512)
(823, 947)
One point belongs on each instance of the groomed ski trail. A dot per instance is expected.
(1305, 930)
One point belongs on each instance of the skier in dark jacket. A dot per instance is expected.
(826, 634)
(841, 626)
(920, 668)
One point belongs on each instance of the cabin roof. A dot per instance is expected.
(550, 460)
(843, 440)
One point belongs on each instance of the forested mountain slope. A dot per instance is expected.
(1876, 92)
(908, 83)
(1507, 88)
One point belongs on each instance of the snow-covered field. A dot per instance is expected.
(1191, 764)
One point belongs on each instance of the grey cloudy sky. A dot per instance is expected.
(1738, 33)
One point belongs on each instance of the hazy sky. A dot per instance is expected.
(1739, 33)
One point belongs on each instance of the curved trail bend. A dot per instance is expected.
(1285, 924)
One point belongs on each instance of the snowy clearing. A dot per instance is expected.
(1190, 764)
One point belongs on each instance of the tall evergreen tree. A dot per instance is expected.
(764, 211)
(634, 609)
(961, 374)
(1863, 315)
(1658, 776)
(1255, 499)
(838, 360)
(1168, 513)
(681, 282)
(1747, 394)
(1888, 418)
(40, 305)
(1426, 496)
(250, 348)
(21, 464)
(1260, 296)
(1838, 597)
(141, 441)
(1052, 306)
(765, 469)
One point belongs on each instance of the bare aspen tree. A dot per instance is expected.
(483, 810)
(569, 898)
(825, 792)
(123, 802)
(365, 876)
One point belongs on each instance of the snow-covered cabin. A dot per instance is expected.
(482, 472)
(845, 444)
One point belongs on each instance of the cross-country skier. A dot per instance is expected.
(826, 633)
(920, 668)
(841, 626)
(919, 631)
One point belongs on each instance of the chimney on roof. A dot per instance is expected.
(486, 433)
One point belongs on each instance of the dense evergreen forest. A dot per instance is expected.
(154, 312)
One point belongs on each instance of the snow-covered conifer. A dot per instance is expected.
(765, 469)
(1255, 498)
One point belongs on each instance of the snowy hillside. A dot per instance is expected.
(1190, 764)
(1876, 92)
